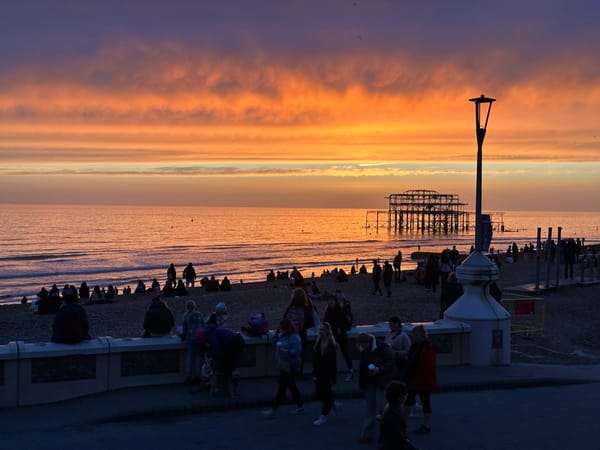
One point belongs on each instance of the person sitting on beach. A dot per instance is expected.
(180, 290)
(71, 324)
(155, 284)
(96, 296)
(271, 276)
(158, 320)
(362, 270)
(212, 285)
(219, 316)
(297, 278)
(342, 276)
(140, 288)
(225, 284)
(169, 289)
(111, 294)
(67, 291)
(47, 304)
(54, 292)
(84, 292)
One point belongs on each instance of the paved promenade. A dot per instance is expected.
(518, 406)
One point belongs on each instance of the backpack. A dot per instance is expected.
(194, 322)
(258, 325)
(348, 316)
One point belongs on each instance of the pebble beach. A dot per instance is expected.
(571, 333)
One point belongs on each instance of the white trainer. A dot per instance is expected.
(322, 420)
(268, 413)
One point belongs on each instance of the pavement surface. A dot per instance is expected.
(518, 406)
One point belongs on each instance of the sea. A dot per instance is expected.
(41, 245)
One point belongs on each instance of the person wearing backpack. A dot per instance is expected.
(340, 319)
(192, 321)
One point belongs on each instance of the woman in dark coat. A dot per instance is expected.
(334, 315)
(324, 370)
(420, 376)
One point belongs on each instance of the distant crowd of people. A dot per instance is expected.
(48, 301)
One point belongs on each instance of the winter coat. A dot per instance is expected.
(380, 355)
(325, 364)
(421, 368)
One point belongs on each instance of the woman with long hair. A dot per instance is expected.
(324, 370)
(288, 348)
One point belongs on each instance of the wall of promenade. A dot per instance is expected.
(37, 373)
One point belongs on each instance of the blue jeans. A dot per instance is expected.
(193, 359)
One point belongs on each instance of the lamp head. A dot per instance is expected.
(482, 99)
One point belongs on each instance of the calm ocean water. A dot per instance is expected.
(42, 245)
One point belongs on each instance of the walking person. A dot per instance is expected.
(420, 376)
(339, 323)
(376, 275)
(288, 348)
(392, 431)
(388, 275)
(376, 368)
(399, 343)
(324, 371)
(432, 272)
(398, 266)
(301, 314)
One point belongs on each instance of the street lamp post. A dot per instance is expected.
(480, 129)
(488, 321)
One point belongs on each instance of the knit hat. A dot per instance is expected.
(221, 308)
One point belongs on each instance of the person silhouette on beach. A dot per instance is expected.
(376, 276)
(172, 274)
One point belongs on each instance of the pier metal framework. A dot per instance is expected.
(426, 211)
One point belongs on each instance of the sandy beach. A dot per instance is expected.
(572, 319)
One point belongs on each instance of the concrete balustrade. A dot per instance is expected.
(50, 372)
(9, 358)
(37, 373)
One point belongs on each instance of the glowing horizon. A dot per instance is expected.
(353, 109)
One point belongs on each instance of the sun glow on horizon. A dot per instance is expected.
(234, 106)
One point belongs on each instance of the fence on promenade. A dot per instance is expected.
(527, 313)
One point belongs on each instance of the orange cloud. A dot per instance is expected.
(172, 104)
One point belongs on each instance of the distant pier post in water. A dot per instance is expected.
(558, 254)
(538, 251)
(548, 256)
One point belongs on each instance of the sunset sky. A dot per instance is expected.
(298, 103)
